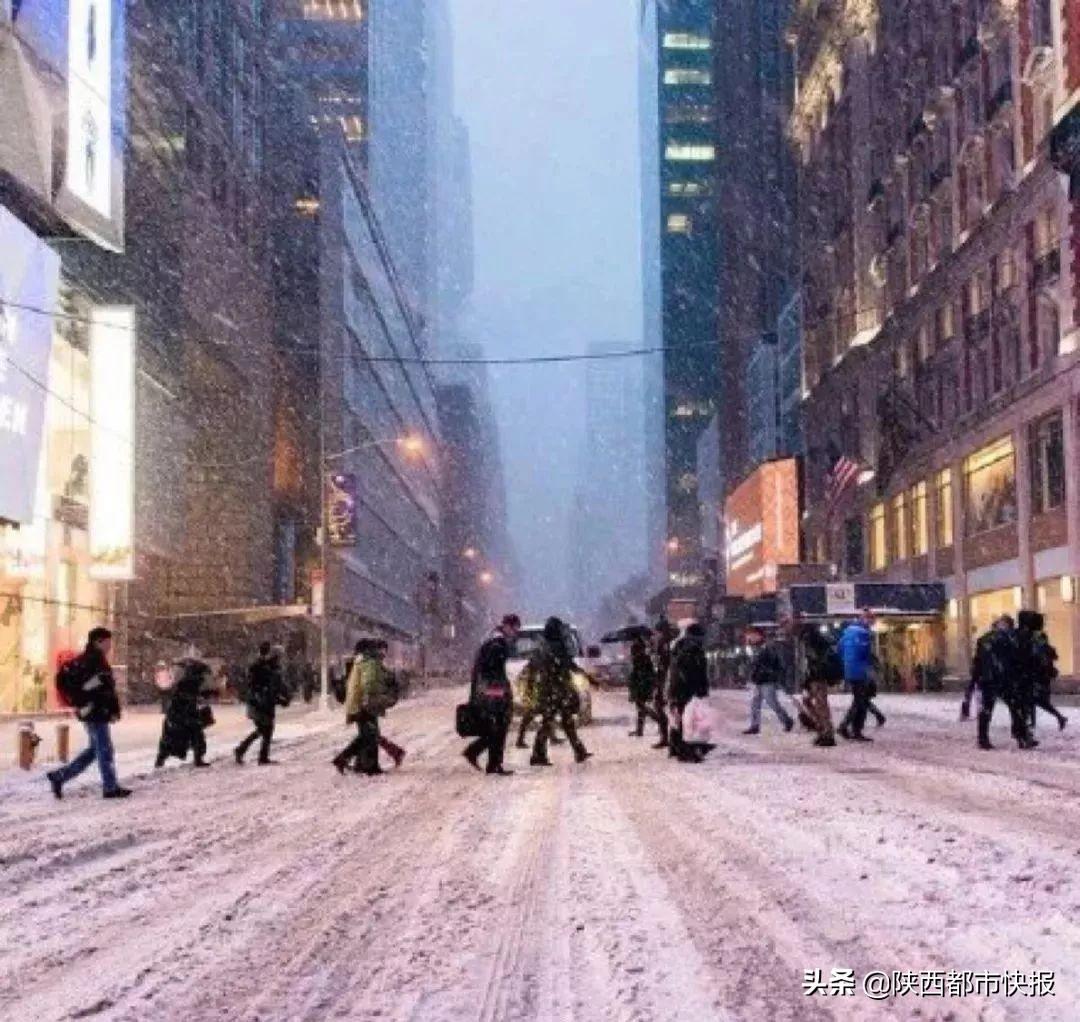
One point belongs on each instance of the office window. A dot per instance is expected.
(689, 153)
(1047, 445)
(686, 41)
(920, 524)
(879, 557)
(689, 189)
(990, 487)
(943, 515)
(697, 113)
(900, 536)
(333, 10)
(679, 223)
(687, 76)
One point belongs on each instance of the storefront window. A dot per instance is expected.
(920, 525)
(1047, 442)
(1050, 599)
(990, 487)
(900, 527)
(986, 608)
(878, 555)
(943, 508)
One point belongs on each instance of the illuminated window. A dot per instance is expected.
(306, 205)
(688, 153)
(333, 10)
(689, 189)
(879, 557)
(697, 113)
(686, 41)
(1047, 446)
(678, 223)
(943, 512)
(900, 535)
(920, 523)
(687, 76)
(990, 487)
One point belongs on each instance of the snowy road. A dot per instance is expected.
(631, 889)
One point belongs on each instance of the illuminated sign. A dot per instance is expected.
(62, 77)
(762, 528)
(29, 271)
(341, 505)
(112, 405)
(89, 152)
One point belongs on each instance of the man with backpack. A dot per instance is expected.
(86, 684)
(266, 692)
(823, 667)
(857, 651)
(371, 692)
(767, 675)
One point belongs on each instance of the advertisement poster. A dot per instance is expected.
(341, 507)
(29, 273)
(62, 76)
(762, 528)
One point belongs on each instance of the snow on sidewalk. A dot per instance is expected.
(633, 888)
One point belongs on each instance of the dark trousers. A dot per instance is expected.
(196, 737)
(1042, 702)
(647, 712)
(264, 733)
(364, 748)
(988, 698)
(547, 728)
(496, 726)
(855, 718)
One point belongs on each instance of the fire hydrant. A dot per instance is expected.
(63, 742)
(29, 740)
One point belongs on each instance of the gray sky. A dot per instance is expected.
(549, 92)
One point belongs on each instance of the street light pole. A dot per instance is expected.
(413, 446)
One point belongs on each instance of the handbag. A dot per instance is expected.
(699, 721)
(206, 716)
(468, 721)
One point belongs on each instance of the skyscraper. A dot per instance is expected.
(688, 250)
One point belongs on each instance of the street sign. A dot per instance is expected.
(840, 598)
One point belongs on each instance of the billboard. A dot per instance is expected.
(762, 528)
(29, 273)
(341, 505)
(62, 79)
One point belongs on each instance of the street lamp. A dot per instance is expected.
(412, 446)
(469, 553)
(486, 578)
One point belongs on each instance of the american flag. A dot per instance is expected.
(843, 474)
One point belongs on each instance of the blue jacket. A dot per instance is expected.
(856, 649)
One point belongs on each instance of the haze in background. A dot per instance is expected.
(549, 93)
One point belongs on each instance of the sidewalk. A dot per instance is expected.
(136, 735)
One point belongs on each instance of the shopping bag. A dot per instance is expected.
(468, 722)
(699, 721)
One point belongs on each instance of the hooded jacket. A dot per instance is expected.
(856, 649)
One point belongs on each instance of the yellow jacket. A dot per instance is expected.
(368, 687)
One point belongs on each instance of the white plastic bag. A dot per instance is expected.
(699, 721)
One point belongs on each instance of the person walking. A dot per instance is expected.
(666, 633)
(641, 690)
(1038, 669)
(994, 671)
(87, 684)
(266, 692)
(688, 679)
(856, 650)
(370, 694)
(822, 669)
(492, 697)
(767, 676)
(182, 728)
(551, 667)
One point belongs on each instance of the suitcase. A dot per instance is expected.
(468, 721)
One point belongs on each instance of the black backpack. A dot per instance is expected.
(70, 679)
(832, 666)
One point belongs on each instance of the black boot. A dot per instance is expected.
(984, 731)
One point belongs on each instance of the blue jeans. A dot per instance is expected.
(100, 749)
(766, 693)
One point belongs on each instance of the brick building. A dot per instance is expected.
(939, 341)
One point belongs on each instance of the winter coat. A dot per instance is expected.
(489, 683)
(689, 675)
(182, 724)
(642, 683)
(856, 650)
(994, 668)
(550, 676)
(370, 689)
(266, 689)
(767, 666)
(97, 701)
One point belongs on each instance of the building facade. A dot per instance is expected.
(939, 335)
(688, 300)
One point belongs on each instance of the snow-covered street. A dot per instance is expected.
(632, 888)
